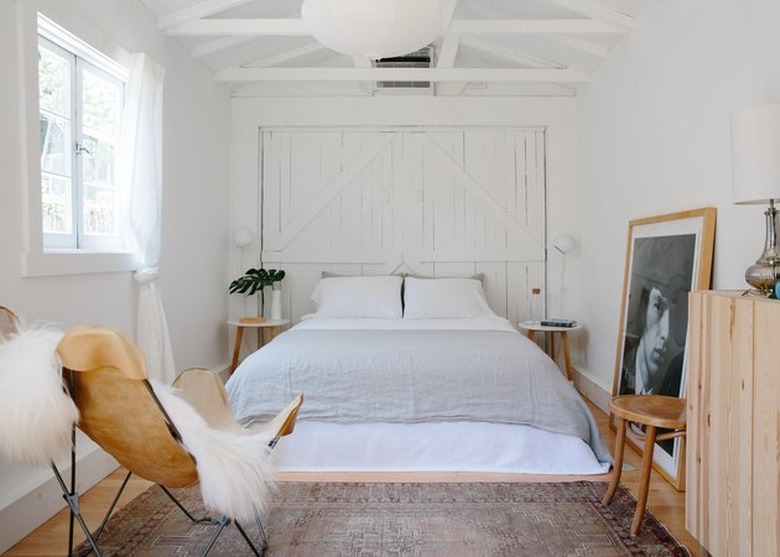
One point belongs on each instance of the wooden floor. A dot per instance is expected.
(665, 502)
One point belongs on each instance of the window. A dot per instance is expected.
(81, 95)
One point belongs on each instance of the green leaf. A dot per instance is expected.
(255, 280)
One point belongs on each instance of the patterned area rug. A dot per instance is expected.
(404, 519)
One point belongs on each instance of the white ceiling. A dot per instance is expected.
(519, 47)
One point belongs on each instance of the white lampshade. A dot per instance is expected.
(564, 243)
(755, 154)
(243, 236)
(373, 28)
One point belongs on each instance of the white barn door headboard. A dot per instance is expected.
(433, 201)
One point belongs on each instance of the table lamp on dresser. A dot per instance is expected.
(755, 167)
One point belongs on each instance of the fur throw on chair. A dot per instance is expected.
(235, 470)
(36, 414)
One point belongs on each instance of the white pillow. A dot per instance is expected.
(444, 298)
(374, 297)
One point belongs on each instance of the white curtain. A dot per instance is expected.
(140, 170)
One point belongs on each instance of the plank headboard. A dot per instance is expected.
(433, 201)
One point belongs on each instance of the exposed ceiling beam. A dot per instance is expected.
(288, 55)
(566, 75)
(243, 26)
(293, 26)
(447, 9)
(596, 11)
(192, 13)
(448, 52)
(534, 27)
(508, 54)
(512, 56)
(585, 46)
(223, 43)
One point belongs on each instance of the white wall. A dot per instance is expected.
(193, 275)
(654, 139)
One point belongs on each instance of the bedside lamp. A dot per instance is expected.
(564, 243)
(755, 167)
(243, 237)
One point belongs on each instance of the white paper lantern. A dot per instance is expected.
(373, 28)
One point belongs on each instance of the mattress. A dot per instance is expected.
(458, 387)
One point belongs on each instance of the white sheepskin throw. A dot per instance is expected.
(36, 414)
(235, 470)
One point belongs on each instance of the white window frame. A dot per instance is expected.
(37, 260)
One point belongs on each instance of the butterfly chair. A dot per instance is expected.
(175, 437)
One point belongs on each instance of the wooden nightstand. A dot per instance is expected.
(533, 327)
(266, 331)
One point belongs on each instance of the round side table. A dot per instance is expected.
(533, 327)
(269, 328)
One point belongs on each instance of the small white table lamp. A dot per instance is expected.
(755, 167)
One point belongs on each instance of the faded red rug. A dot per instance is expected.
(404, 519)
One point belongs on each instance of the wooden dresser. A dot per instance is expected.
(733, 392)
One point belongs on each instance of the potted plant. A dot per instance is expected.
(255, 280)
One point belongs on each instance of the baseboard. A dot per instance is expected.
(38, 505)
(592, 389)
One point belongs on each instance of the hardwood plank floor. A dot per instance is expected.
(667, 504)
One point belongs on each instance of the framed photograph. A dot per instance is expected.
(667, 257)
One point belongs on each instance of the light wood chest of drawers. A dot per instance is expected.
(733, 392)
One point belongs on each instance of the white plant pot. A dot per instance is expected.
(276, 304)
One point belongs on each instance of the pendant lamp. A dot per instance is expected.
(373, 28)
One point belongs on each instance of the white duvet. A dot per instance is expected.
(396, 371)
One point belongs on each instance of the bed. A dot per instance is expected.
(416, 374)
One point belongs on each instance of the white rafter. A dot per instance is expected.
(243, 26)
(292, 26)
(535, 27)
(283, 57)
(204, 9)
(218, 45)
(596, 11)
(511, 55)
(447, 9)
(448, 52)
(566, 75)
(585, 46)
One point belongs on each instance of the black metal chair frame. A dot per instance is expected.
(71, 496)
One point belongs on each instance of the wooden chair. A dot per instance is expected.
(652, 412)
(121, 412)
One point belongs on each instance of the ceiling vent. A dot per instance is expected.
(422, 58)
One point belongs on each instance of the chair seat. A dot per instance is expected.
(667, 412)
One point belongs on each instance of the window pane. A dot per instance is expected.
(53, 82)
(55, 145)
(97, 160)
(57, 207)
(100, 204)
(101, 99)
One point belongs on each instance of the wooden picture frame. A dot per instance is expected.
(667, 257)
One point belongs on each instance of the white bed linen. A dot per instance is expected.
(433, 447)
(320, 444)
